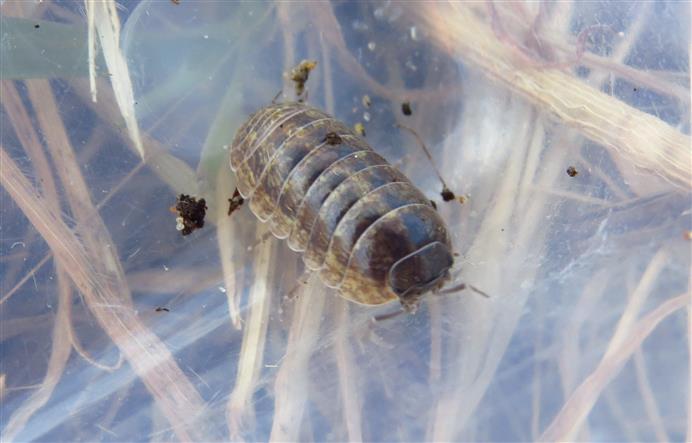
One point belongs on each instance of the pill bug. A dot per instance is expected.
(357, 220)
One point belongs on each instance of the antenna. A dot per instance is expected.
(446, 193)
(461, 287)
(389, 315)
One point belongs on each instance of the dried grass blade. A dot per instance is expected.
(106, 24)
(648, 142)
(226, 235)
(59, 355)
(578, 405)
(149, 357)
(239, 411)
(292, 380)
(346, 366)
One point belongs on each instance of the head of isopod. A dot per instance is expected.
(423, 271)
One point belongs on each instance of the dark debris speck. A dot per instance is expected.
(447, 194)
(332, 138)
(235, 202)
(300, 74)
(192, 213)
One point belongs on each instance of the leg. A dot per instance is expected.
(302, 281)
(461, 287)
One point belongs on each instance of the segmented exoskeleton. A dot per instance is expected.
(356, 219)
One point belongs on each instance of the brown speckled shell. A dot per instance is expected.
(350, 213)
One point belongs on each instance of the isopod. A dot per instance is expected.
(357, 220)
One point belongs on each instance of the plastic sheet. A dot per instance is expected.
(117, 328)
